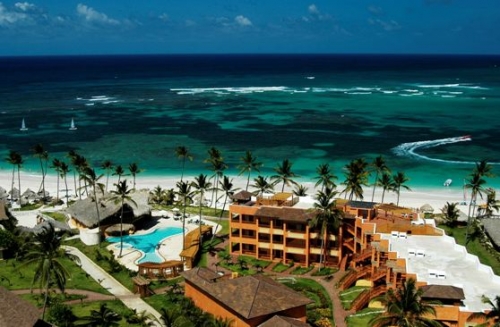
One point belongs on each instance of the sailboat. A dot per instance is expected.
(23, 126)
(72, 126)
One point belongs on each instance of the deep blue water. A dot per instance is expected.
(308, 108)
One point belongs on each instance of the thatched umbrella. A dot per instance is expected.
(14, 194)
(29, 195)
(427, 208)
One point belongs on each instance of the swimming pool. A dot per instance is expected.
(146, 243)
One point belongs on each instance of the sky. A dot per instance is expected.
(67, 27)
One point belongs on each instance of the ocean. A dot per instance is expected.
(430, 117)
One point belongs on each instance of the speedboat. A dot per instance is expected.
(447, 182)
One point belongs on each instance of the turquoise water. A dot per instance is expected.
(146, 243)
(309, 109)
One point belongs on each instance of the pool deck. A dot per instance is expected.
(168, 249)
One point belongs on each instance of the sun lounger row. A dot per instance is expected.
(396, 234)
(439, 274)
(416, 253)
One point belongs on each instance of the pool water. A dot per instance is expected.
(146, 243)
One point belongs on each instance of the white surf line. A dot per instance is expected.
(408, 149)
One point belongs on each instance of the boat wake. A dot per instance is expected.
(409, 149)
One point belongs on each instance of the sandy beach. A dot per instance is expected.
(415, 198)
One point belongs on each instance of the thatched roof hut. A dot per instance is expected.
(84, 212)
(29, 195)
(427, 208)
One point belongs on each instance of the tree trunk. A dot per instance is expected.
(220, 217)
(374, 186)
(121, 232)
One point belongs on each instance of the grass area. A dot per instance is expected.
(321, 307)
(84, 309)
(59, 216)
(324, 271)
(19, 276)
(474, 247)
(105, 260)
(349, 295)
(361, 318)
(244, 265)
(281, 267)
(206, 212)
(301, 270)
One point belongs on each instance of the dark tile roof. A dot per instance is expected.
(361, 204)
(442, 292)
(16, 312)
(281, 321)
(286, 213)
(248, 296)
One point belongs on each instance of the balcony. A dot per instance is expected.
(296, 234)
(265, 230)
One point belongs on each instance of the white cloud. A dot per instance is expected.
(313, 10)
(375, 10)
(10, 17)
(92, 15)
(388, 26)
(164, 17)
(242, 21)
(24, 6)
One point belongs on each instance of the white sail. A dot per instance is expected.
(23, 126)
(72, 126)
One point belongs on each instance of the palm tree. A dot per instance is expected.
(325, 177)
(91, 178)
(217, 165)
(56, 164)
(300, 190)
(107, 165)
(284, 174)
(405, 308)
(64, 170)
(451, 213)
(249, 164)
(399, 181)
(183, 153)
(493, 315)
(157, 194)
(185, 196)
(202, 185)
(81, 164)
(226, 186)
(16, 160)
(119, 171)
(121, 195)
(173, 317)
(141, 318)
(104, 317)
(328, 218)
(385, 181)
(45, 251)
(262, 185)
(222, 322)
(380, 167)
(72, 155)
(484, 169)
(475, 183)
(134, 170)
(491, 204)
(356, 177)
(40, 153)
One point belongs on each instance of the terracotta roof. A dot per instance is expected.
(442, 292)
(16, 312)
(242, 195)
(249, 296)
(281, 321)
(285, 213)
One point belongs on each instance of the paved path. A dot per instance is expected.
(119, 291)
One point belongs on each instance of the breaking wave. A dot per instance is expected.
(409, 149)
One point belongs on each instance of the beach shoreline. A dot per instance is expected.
(417, 197)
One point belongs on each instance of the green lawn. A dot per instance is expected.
(21, 276)
(84, 309)
(474, 247)
(281, 267)
(301, 270)
(349, 295)
(361, 318)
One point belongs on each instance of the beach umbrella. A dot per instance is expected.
(14, 193)
(427, 208)
(29, 194)
(162, 213)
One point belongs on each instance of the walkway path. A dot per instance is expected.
(128, 298)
